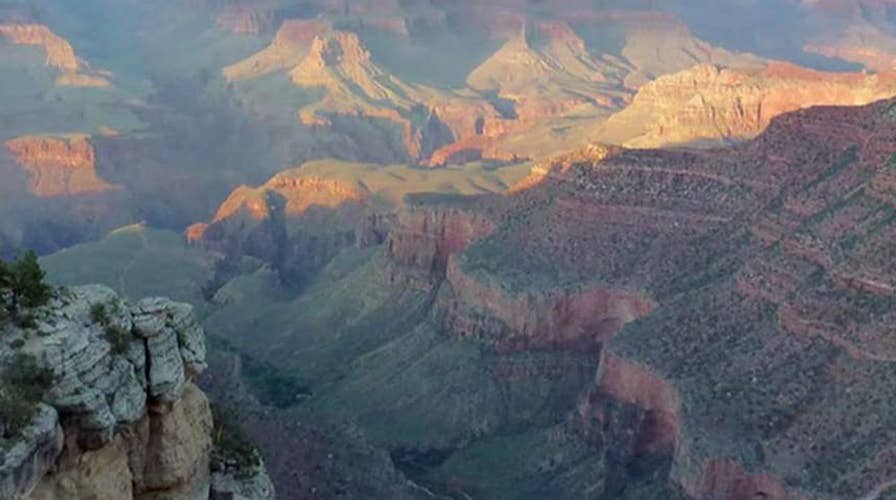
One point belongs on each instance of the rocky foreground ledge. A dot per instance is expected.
(97, 401)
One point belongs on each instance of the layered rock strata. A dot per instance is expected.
(121, 418)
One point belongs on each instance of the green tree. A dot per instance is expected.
(23, 283)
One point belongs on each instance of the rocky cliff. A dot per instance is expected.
(711, 104)
(59, 53)
(423, 118)
(290, 45)
(58, 166)
(736, 300)
(295, 221)
(119, 416)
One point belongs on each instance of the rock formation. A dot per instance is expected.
(121, 416)
(863, 44)
(59, 53)
(708, 104)
(58, 166)
(548, 71)
(543, 74)
(738, 299)
(290, 45)
(296, 221)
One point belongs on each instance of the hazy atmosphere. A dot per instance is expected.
(447, 249)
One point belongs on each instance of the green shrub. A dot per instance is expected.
(25, 321)
(98, 314)
(270, 385)
(17, 343)
(233, 449)
(23, 386)
(118, 338)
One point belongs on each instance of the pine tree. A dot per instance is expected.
(24, 283)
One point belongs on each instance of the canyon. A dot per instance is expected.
(470, 249)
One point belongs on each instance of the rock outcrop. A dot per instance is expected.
(296, 221)
(58, 166)
(290, 45)
(59, 54)
(121, 418)
(547, 71)
(356, 87)
(427, 235)
(709, 104)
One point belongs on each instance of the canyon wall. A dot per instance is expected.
(716, 104)
(58, 166)
(59, 54)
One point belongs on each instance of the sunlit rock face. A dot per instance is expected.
(290, 45)
(58, 166)
(712, 104)
(295, 221)
(59, 54)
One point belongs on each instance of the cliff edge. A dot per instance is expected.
(97, 401)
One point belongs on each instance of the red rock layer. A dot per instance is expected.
(425, 237)
(632, 384)
(298, 194)
(60, 53)
(576, 319)
(57, 166)
(721, 478)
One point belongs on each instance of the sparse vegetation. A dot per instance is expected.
(22, 285)
(269, 384)
(23, 386)
(117, 336)
(99, 314)
(233, 450)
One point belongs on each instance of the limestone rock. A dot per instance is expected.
(166, 373)
(97, 474)
(122, 419)
(25, 461)
(177, 453)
